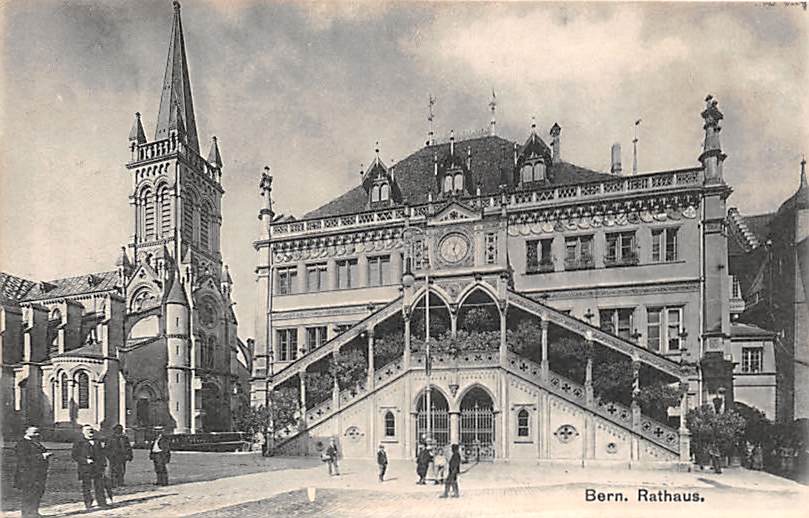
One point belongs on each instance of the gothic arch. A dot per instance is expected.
(479, 285)
(445, 297)
(456, 404)
(414, 404)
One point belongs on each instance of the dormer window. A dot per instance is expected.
(380, 193)
(379, 183)
(532, 172)
(453, 182)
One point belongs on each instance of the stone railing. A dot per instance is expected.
(464, 359)
(559, 385)
(164, 148)
(541, 197)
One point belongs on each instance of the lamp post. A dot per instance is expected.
(408, 280)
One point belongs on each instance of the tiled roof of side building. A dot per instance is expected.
(492, 164)
(92, 350)
(13, 288)
(87, 283)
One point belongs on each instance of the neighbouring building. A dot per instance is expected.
(769, 257)
(154, 341)
(508, 235)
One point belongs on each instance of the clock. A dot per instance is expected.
(454, 248)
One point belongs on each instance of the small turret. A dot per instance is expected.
(176, 294)
(214, 158)
(556, 145)
(123, 266)
(227, 282)
(136, 134)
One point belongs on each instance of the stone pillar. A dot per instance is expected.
(301, 287)
(455, 427)
(544, 364)
(685, 434)
(331, 274)
(302, 377)
(406, 353)
(503, 343)
(635, 407)
(395, 268)
(453, 319)
(362, 270)
(588, 371)
(370, 383)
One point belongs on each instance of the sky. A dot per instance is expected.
(309, 88)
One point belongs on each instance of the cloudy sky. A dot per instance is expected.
(308, 88)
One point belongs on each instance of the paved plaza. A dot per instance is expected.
(236, 485)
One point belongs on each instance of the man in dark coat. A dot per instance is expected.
(452, 474)
(332, 456)
(31, 472)
(119, 452)
(160, 455)
(88, 453)
(422, 463)
(382, 462)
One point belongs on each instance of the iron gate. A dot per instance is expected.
(477, 427)
(439, 425)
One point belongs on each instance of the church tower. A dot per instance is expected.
(177, 202)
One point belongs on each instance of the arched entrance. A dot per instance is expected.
(439, 424)
(477, 425)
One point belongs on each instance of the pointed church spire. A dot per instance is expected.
(177, 89)
(136, 134)
(802, 196)
(214, 158)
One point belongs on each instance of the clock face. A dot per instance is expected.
(454, 248)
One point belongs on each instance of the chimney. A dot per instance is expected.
(556, 130)
(615, 167)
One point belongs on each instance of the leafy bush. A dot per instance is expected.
(388, 348)
(351, 368)
(480, 319)
(285, 407)
(706, 427)
(252, 419)
(319, 386)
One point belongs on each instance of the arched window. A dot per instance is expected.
(384, 192)
(65, 388)
(526, 174)
(539, 171)
(164, 200)
(522, 423)
(204, 225)
(374, 193)
(83, 381)
(390, 424)
(189, 206)
(448, 183)
(211, 351)
(147, 203)
(459, 182)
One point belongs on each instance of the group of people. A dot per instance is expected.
(433, 460)
(100, 463)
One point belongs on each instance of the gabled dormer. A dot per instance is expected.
(453, 172)
(380, 185)
(532, 163)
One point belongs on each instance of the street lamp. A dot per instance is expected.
(408, 280)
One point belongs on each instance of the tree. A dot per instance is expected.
(706, 427)
(285, 407)
(656, 398)
(252, 419)
(350, 367)
(319, 386)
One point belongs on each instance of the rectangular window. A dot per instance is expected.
(287, 344)
(617, 321)
(621, 249)
(538, 255)
(287, 277)
(579, 252)
(664, 329)
(664, 245)
(315, 337)
(379, 270)
(316, 277)
(347, 276)
(752, 359)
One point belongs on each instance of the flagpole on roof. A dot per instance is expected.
(635, 149)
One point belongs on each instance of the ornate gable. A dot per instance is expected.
(454, 212)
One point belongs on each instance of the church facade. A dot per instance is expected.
(154, 341)
(504, 258)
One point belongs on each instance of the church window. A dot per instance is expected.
(316, 277)
(188, 217)
(617, 321)
(347, 274)
(83, 382)
(378, 270)
(390, 424)
(287, 344)
(286, 280)
(165, 211)
(384, 192)
(522, 423)
(65, 387)
(664, 245)
(148, 203)
(204, 226)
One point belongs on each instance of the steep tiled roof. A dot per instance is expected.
(738, 329)
(88, 283)
(492, 165)
(92, 350)
(13, 288)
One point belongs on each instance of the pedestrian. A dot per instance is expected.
(439, 466)
(31, 471)
(382, 461)
(119, 452)
(422, 463)
(88, 453)
(452, 475)
(160, 455)
(716, 461)
(332, 454)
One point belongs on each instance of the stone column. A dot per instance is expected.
(331, 274)
(455, 427)
(503, 343)
(635, 407)
(588, 372)
(362, 270)
(544, 364)
(453, 319)
(395, 268)
(302, 377)
(406, 353)
(685, 434)
(370, 383)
